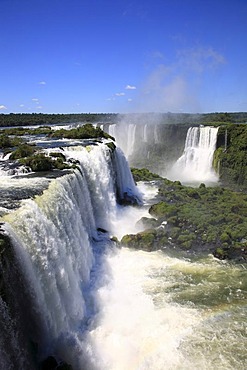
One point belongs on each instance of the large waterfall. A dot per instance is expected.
(60, 241)
(70, 295)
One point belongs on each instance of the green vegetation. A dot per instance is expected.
(111, 145)
(143, 174)
(21, 131)
(38, 162)
(196, 220)
(27, 119)
(230, 159)
(31, 156)
(8, 142)
(23, 150)
(87, 131)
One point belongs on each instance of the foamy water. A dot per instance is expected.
(154, 315)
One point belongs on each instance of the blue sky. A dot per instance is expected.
(69, 56)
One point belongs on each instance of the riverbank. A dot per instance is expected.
(195, 221)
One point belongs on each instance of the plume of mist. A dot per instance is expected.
(177, 87)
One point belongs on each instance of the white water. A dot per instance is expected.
(56, 240)
(104, 308)
(151, 319)
(195, 165)
(13, 170)
(132, 332)
(54, 247)
(125, 136)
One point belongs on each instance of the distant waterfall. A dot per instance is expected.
(149, 142)
(195, 164)
(125, 136)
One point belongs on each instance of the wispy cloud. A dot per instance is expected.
(2, 107)
(130, 87)
(42, 83)
(120, 94)
(156, 55)
(35, 100)
(200, 59)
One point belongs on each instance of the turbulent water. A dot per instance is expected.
(165, 313)
(101, 307)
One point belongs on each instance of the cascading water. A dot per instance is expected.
(10, 169)
(147, 142)
(195, 165)
(99, 307)
(57, 244)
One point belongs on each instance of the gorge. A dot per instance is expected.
(73, 298)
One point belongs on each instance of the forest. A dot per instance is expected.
(33, 119)
(27, 119)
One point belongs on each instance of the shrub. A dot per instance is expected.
(24, 150)
(87, 131)
(5, 141)
(38, 162)
(162, 209)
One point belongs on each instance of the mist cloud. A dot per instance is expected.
(176, 86)
(200, 59)
(163, 93)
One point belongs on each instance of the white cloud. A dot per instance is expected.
(129, 100)
(39, 107)
(129, 87)
(35, 99)
(42, 83)
(120, 94)
(21, 105)
(2, 107)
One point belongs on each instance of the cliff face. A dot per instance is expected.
(159, 156)
(230, 159)
(157, 147)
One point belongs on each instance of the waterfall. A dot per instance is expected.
(131, 140)
(10, 169)
(195, 164)
(112, 130)
(156, 135)
(149, 142)
(67, 290)
(125, 136)
(59, 240)
(145, 135)
(56, 257)
(125, 183)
